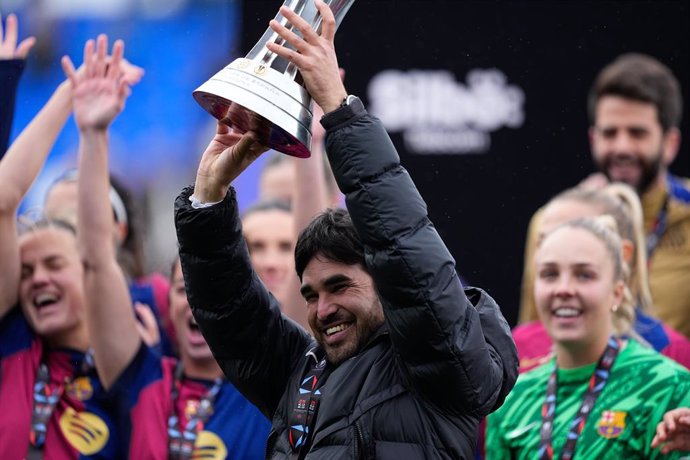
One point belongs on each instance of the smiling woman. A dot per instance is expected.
(51, 292)
(580, 290)
(602, 385)
(620, 202)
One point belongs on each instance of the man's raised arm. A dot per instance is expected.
(254, 344)
(457, 348)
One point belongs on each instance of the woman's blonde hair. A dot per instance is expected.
(622, 204)
(605, 229)
(639, 274)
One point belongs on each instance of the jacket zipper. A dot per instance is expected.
(271, 444)
(359, 440)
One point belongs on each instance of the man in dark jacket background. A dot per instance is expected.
(404, 363)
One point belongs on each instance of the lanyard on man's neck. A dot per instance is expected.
(658, 228)
(303, 416)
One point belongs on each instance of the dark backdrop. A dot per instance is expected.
(481, 202)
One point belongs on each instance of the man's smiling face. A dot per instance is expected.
(344, 308)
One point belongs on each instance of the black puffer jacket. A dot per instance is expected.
(444, 359)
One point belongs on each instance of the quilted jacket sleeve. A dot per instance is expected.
(256, 346)
(455, 348)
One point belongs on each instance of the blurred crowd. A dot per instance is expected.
(101, 359)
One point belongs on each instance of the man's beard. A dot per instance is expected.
(365, 328)
(649, 170)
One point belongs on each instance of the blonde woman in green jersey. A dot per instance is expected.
(603, 393)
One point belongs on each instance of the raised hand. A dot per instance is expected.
(100, 90)
(314, 56)
(228, 154)
(147, 327)
(8, 40)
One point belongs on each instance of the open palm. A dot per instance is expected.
(99, 91)
(97, 101)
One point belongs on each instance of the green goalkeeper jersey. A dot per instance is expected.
(642, 387)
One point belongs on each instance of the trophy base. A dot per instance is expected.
(248, 96)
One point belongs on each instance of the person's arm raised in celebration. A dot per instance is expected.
(20, 167)
(12, 61)
(12, 186)
(312, 194)
(309, 198)
(254, 344)
(456, 348)
(99, 94)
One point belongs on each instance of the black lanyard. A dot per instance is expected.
(181, 444)
(45, 400)
(303, 417)
(548, 410)
(658, 229)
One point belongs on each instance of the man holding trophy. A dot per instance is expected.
(403, 362)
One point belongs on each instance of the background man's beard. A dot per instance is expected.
(648, 172)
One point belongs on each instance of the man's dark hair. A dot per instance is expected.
(332, 236)
(640, 78)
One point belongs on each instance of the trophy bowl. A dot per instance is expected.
(263, 92)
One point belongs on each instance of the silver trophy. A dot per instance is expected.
(264, 92)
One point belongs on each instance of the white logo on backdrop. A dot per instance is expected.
(438, 115)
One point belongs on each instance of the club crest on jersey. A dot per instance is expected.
(191, 408)
(80, 389)
(611, 424)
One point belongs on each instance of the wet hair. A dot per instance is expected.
(330, 235)
(605, 230)
(640, 78)
(621, 203)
